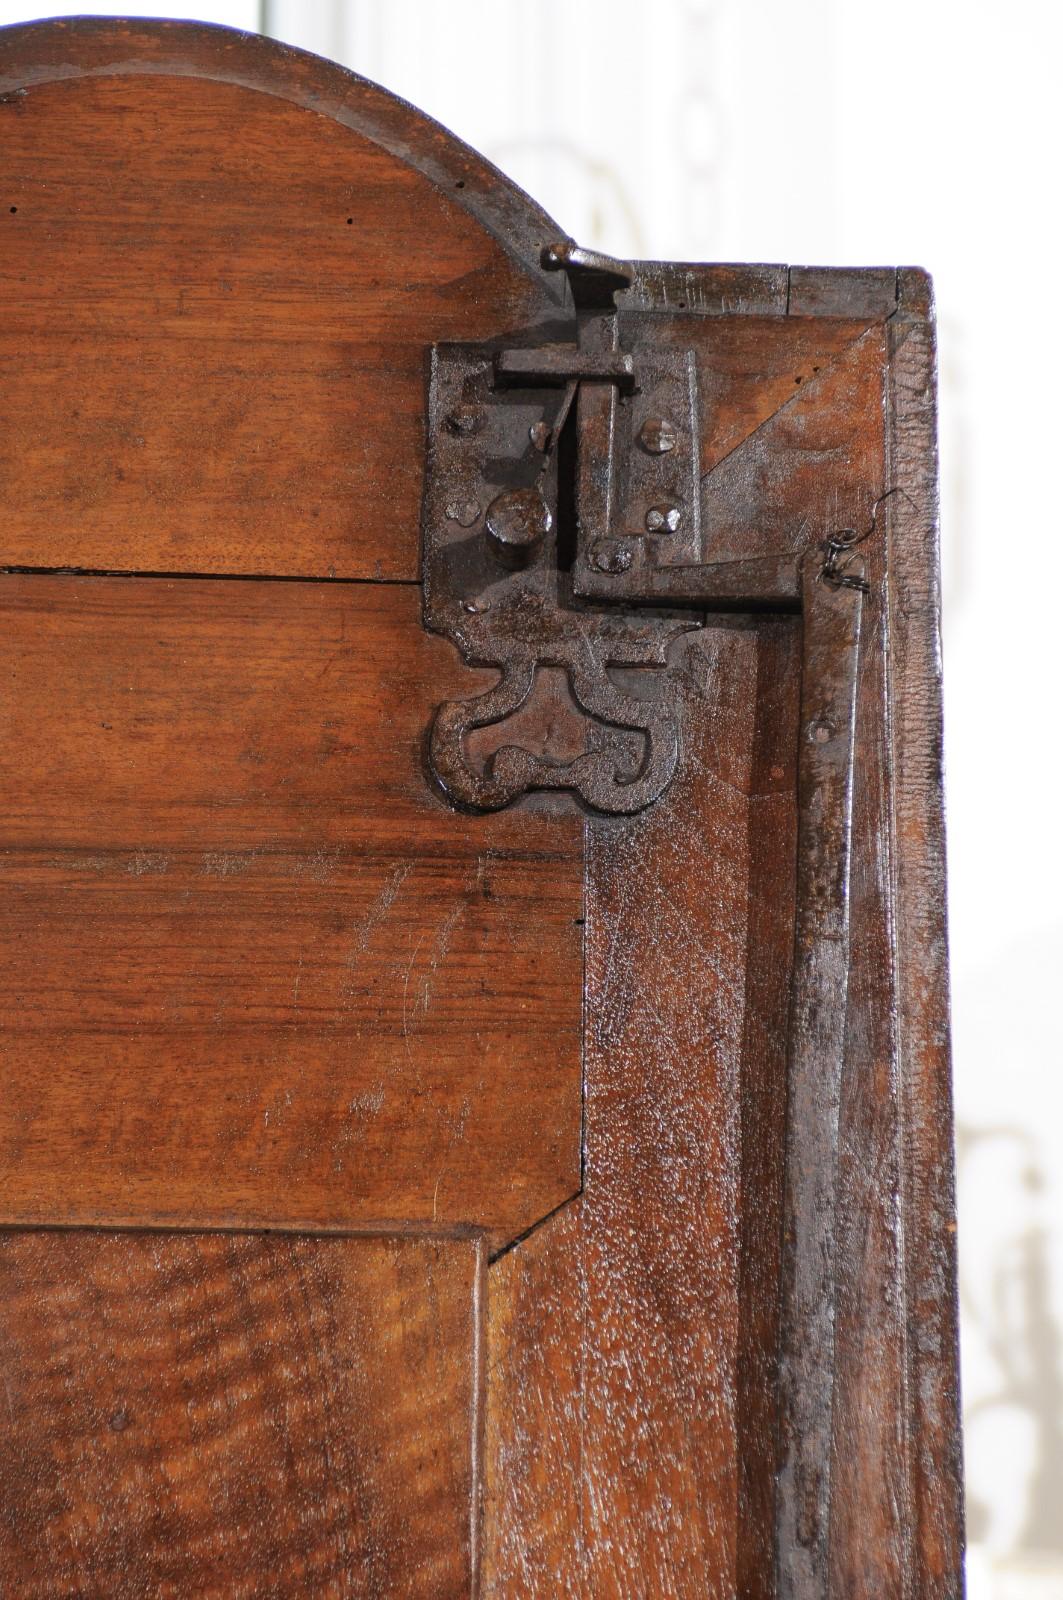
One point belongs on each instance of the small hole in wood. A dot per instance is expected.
(349, 221)
(460, 184)
(13, 210)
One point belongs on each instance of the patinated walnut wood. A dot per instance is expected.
(591, 1541)
(927, 1201)
(622, 1325)
(228, 259)
(226, 1415)
(258, 973)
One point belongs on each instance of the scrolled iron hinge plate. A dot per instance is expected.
(513, 528)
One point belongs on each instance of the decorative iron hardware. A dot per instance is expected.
(562, 540)
(513, 525)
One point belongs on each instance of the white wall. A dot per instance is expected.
(230, 13)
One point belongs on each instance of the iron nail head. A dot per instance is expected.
(517, 521)
(610, 556)
(658, 435)
(663, 519)
(466, 418)
(463, 512)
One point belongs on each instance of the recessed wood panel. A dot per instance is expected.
(231, 1416)
(632, 1340)
(257, 972)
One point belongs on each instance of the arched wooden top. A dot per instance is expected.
(80, 47)
(223, 261)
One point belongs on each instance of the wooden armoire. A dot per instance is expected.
(475, 1111)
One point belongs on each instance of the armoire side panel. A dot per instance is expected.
(228, 1416)
(257, 973)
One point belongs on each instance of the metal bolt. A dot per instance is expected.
(663, 519)
(657, 436)
(517, 521)
(609, 556)
(463, 512)
(539, 434)
(466, 418)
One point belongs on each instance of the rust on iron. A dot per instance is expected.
(517, 522)
(504, 587)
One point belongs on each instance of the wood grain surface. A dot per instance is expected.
(785, 404)
(638, 1325)
(927, 1192)
(228, 346)
(232, 1416)
(642, 1326)
(256, 971)
(769, 955)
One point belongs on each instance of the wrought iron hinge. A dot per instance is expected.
(547, 465)
(562, 541)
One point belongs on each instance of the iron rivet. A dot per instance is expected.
(466, 418)
(476, 608)
(463, 512)
(516, 523)
(657, 436)
(539, 434)
(821, 732)
(663, 519)
(608, 556)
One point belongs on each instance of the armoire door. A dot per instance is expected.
(475, 1115)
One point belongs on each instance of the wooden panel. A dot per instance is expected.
(632, 1418)
(235, 1416)
(667, 975)
(257, 971)
(619, 1345)
(217, 297)
(752, 369)
(928, 1196)
(868, 1519)
(769, 957)
(813, 465)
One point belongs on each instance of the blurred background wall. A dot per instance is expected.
(837, 132)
